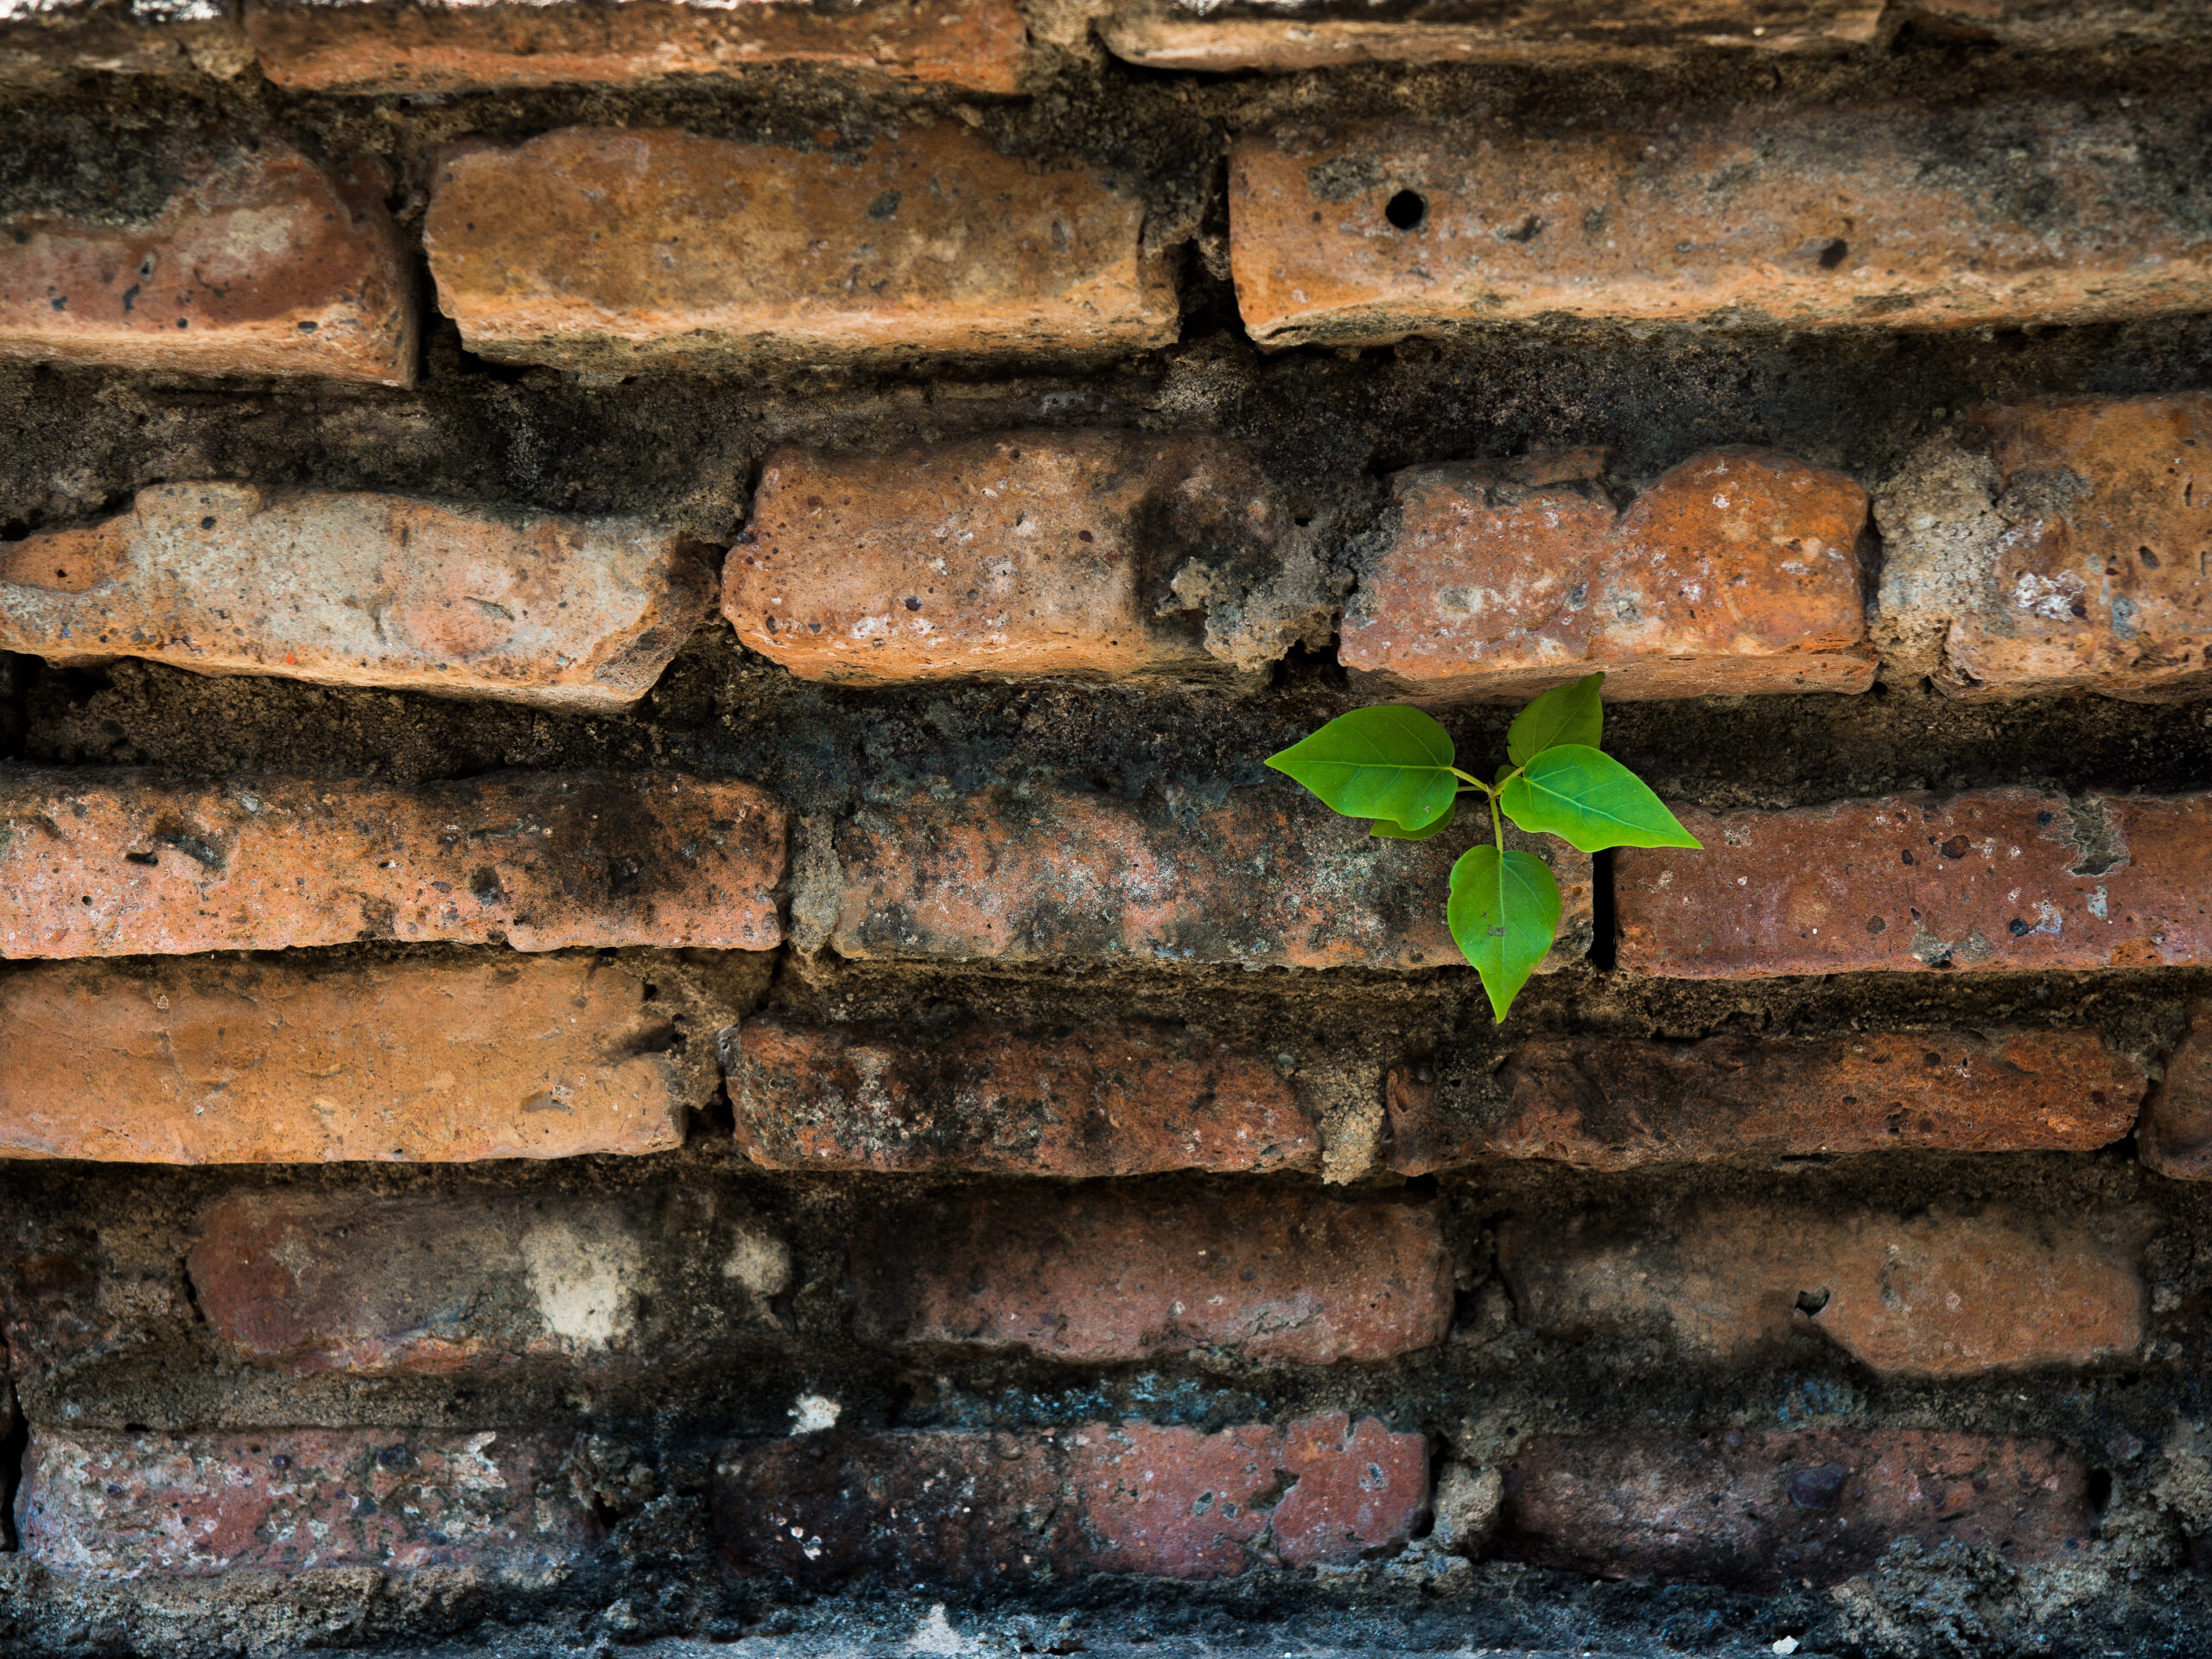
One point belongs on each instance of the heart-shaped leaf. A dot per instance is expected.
(1504, 913)
(1590, 801)
(1388, 831)
(1565, 714)
(1392, 763)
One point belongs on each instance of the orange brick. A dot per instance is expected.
(122, 862)
(1269, 876)
(314, 46)
(362, 589)
(1997, 879)
(560, 249)
(199, 1062)
(1105, 1276)
(1099, 1101)
(1740, 571)
(2056, 546)
(1946, 1292)
(256, 261)
(1887, 215)
(1027, 555)
(2175, 1137)
(1613, 1103)
(1187, 35)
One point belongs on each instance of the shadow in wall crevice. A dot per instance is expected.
(14, 1451)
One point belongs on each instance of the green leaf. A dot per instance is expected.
(1504, 912)
(1390, 831)
(1565, 714)
(1392, 762)
(1590, 801)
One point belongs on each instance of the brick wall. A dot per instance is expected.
(651, 993)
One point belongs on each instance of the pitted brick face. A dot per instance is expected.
(556, 250)
(260, 262)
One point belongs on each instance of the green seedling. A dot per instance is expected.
(1393, 765)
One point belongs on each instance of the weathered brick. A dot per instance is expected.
(1274, 1277)
(1267, 876)
(2062, 25)
(1613, 1103)
(1027, 555)
(1131, 1497)
(1738, 571)
(253, 260)
(1761, 1509)
(479, 1283)
(122, 863)
(557, 251)
(118, 1505)
(1996, 878)
(1947, 1292)
(1888, 215)
(1095, 1101)
(2055, 546)
(49, 40)
(201, 1062)
(362, 589)
(2175, 1135)
(1190, 35)
(344, 46)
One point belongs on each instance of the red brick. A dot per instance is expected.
(1091, 1276)
(1613, 1103)
(2055, 546)
(1167, 1502)
(201, 1062)
(357, 588)
(557, 251)
(1760, 1510)
(317, 46)
(1888, 215)
(119, 1505)
(1095, 1101)
(122, 862)
(1027, 555)
(1188, 34)
(1269, 876)
(258, 261)
(1738, 571)
(1951, 1291)
(2014, 879)
(2175, 1136)
(51, 40)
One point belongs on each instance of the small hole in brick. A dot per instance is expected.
(1406, 210)
(1835, 254)
(1812, 1301)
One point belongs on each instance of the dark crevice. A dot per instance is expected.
(1602, 913)
(15, 1451)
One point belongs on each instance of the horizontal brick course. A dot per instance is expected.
(195, 1062)
(1265, 877)
(1102, 1276)
(1026, 1504)
(556, 250)
(1764, 1508)
(1738, 571)
(1103, 1100)
(258, 262)
(1949, 1291)
(1884, 215)
(108, 1505)
(1613, 1103)
(1999, 879)
(2055, 546)
(315, 45)
(122, 862)
(357, 588)
(49, 40)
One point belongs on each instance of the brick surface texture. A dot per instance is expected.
(1166, 1502)
(1108, 1276)
(228, 1062)
(551, 250)
(1740, 572)
(1840, 216)
(1107, 1100)
(2175, 1135)
(123, 862)
(258, 261)
(361, 589)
